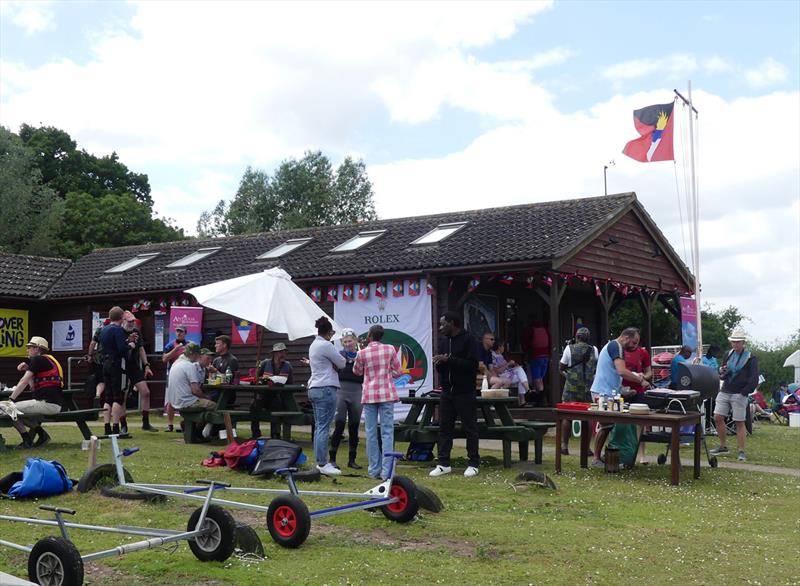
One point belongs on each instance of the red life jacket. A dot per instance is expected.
(53, 377)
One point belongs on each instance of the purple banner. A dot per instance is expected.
(189, 317)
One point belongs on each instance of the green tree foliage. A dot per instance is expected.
(666, 327)
(30, 213)
(59, 200)
(109, 221)
(301, 193)
(66, 169)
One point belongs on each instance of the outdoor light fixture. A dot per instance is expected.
(610, 242)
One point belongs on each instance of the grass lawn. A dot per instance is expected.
(730, 526)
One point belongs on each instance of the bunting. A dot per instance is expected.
(380, 290)
(363, 291)
(333, 293)
(397, 288)
(506, 279)
(474, 283)
(429, 288)
(529, 280)
(316, 294)
(347, 292)
(413, 287)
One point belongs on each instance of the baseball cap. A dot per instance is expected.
(206, 352)
(278, 347)
(191, 348)
(180, 328)
(40, 342)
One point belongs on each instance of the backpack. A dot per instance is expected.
(41, 478)
(276, 454)
(624, 438)
(420, 451)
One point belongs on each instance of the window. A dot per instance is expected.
(356, 242)
(137, 260)
(285, 248)
(439, 233)
(193, 258)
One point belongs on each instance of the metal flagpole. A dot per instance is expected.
(695, 220)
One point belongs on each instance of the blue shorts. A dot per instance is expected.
(539, 367)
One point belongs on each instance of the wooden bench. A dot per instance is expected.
(194, 421)
(78, 416)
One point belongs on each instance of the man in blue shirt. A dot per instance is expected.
(610, 373)
(115, 343)
(681, 356)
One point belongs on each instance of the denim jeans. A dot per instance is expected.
(323, 400)
(386, 413)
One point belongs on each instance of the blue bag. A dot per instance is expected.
(41, 478)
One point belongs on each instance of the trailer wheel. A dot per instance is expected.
(54, 561)
(712, 461)
(662, 459)
(288, 521)
(406, 507)
(102, 476)
(218, 539)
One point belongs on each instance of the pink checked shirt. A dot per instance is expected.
(380, 365)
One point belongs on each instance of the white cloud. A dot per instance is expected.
(30, 15)
(672, 66)
(768, 73)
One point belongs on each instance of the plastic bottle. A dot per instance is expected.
(228, 375)
(484, 384)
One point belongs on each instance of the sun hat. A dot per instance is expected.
(737, 335)
(180, 327)
(39, 342)
(348, 332)
(278, 347)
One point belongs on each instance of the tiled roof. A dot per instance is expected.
(535, 233)
(29, 277)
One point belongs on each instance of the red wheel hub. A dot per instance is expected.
(401, 495)
(284, 519)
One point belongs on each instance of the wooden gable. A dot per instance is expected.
(628, 252)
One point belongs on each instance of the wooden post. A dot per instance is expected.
(607, 295)
(648, 302)
(553, 299)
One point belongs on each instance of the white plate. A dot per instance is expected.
(278, 379)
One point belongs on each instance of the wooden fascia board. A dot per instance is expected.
(664, 245)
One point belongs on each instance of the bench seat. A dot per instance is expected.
(80, 417)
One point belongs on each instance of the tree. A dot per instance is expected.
(770, 361)
(30, 213)
(66, 169)
(301, 193)
(109, 221)
(666, 329)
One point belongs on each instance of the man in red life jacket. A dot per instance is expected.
(44, 375)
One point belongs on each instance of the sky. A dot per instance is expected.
(451, 105)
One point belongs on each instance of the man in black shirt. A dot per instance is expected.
(457, 364)
(137, 369)
(115, 343)
(44, 375)
(224, 362)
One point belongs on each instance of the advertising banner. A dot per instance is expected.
(13, 332)
(189, 317)
(407, 323)
(689, 323)
(67, 336)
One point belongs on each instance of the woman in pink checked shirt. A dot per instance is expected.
(380, 366)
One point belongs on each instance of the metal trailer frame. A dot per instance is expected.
(379, 496)
(158, 537)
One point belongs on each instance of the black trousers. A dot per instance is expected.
(463, 406)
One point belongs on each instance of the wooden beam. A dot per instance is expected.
(607, 295)
(554, 374)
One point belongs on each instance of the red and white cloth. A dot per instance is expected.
(380, 365)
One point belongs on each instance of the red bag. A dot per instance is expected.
(235, 452)
(214, 460)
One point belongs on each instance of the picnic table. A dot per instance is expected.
(279, 402)
(69, 410)
(672, 420)
(496, 422)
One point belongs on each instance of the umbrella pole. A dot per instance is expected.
(260, 338)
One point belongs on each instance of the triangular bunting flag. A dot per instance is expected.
(380, 290)
(363, 291)
(397, 288)
(316, 294)
(347, 292)
(333, 293)
(474, 283)
(506, 279)
(429, 288)
(413, 287)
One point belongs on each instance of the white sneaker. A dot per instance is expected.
(440, 471)
(207, 430)
(329, 470)
(470, 471)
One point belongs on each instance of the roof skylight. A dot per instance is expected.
(137, 260)
(285, 248)
(439, 233)
(193, 258)
(358, 241)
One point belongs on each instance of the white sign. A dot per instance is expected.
(407, 324)
(67, 335)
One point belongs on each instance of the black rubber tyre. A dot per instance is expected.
(748, 421)
(247, 540)
(712, 461)
(102, 475)
(662, 459)
(219, 539)
(428, 499)
(54, 561)
(407, 506)
(288, 521)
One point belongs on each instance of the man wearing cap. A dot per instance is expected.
(115, 343)
(206, 356)
(137, 369)
(44, 375)
(172, 351)
(577, 364)
(185, 380)
(739, 373)
(277, 365)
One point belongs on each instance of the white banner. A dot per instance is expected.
(67, 335)
(407, 324)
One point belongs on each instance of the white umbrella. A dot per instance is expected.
(270, 299)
